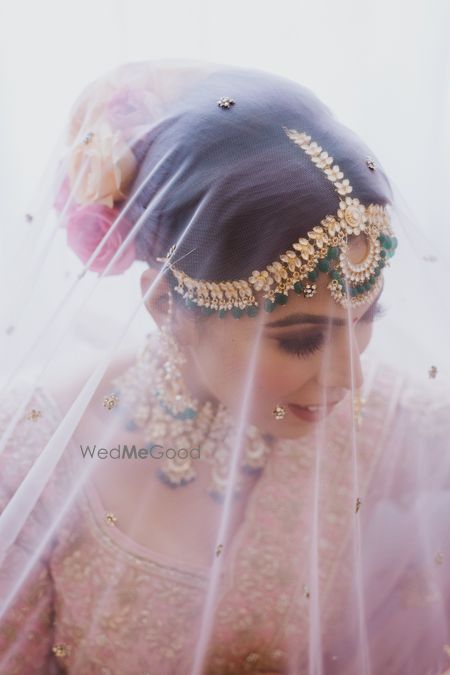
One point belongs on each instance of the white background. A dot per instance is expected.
(383, 67)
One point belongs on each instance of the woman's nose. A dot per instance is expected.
(342, 368)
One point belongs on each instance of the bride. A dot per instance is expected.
(220, 469)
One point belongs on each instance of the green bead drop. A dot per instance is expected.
(324, 266)
(298, 288)
(280, 298)
(334, 274)
(333, 253)
(268, 306)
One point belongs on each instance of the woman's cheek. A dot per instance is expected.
(363, 336)
(280, 374)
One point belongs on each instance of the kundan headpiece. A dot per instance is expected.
(324, 249)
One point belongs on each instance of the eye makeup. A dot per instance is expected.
(309, 344)
(304, 347)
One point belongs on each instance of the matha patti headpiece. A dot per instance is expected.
(323, 249)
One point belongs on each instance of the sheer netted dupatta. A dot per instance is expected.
(200, 274)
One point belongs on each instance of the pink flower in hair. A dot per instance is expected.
(86, 228)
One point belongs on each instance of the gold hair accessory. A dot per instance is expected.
(323, 249)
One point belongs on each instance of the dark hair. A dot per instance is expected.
(242, 190)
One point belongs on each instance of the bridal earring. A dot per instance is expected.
(170, 387)
(171, 418)
(279, 412)
(358, 408)
(190, 420)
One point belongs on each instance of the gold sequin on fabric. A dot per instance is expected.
(111, 401)
(61, 650)
(34, 415)
(110, 518)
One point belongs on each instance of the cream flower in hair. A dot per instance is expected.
(88, 110)
(101, 167)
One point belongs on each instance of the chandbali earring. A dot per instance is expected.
(358, 408)
(279, 412)
(173, 423)
(170, 388)
(190, 420)
(172, 419)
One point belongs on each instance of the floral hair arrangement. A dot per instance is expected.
(100, 168)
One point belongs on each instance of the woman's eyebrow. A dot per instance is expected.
(299, 318)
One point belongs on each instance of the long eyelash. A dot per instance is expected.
(374, 313)
(314, 343)
(302, 347)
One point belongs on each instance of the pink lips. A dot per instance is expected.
(309, 415)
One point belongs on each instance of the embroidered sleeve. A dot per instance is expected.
(26, 603)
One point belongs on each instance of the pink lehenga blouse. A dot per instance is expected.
(99, 603)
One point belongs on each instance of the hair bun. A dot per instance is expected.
(107, 138)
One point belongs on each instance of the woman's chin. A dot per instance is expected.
(295, 430)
